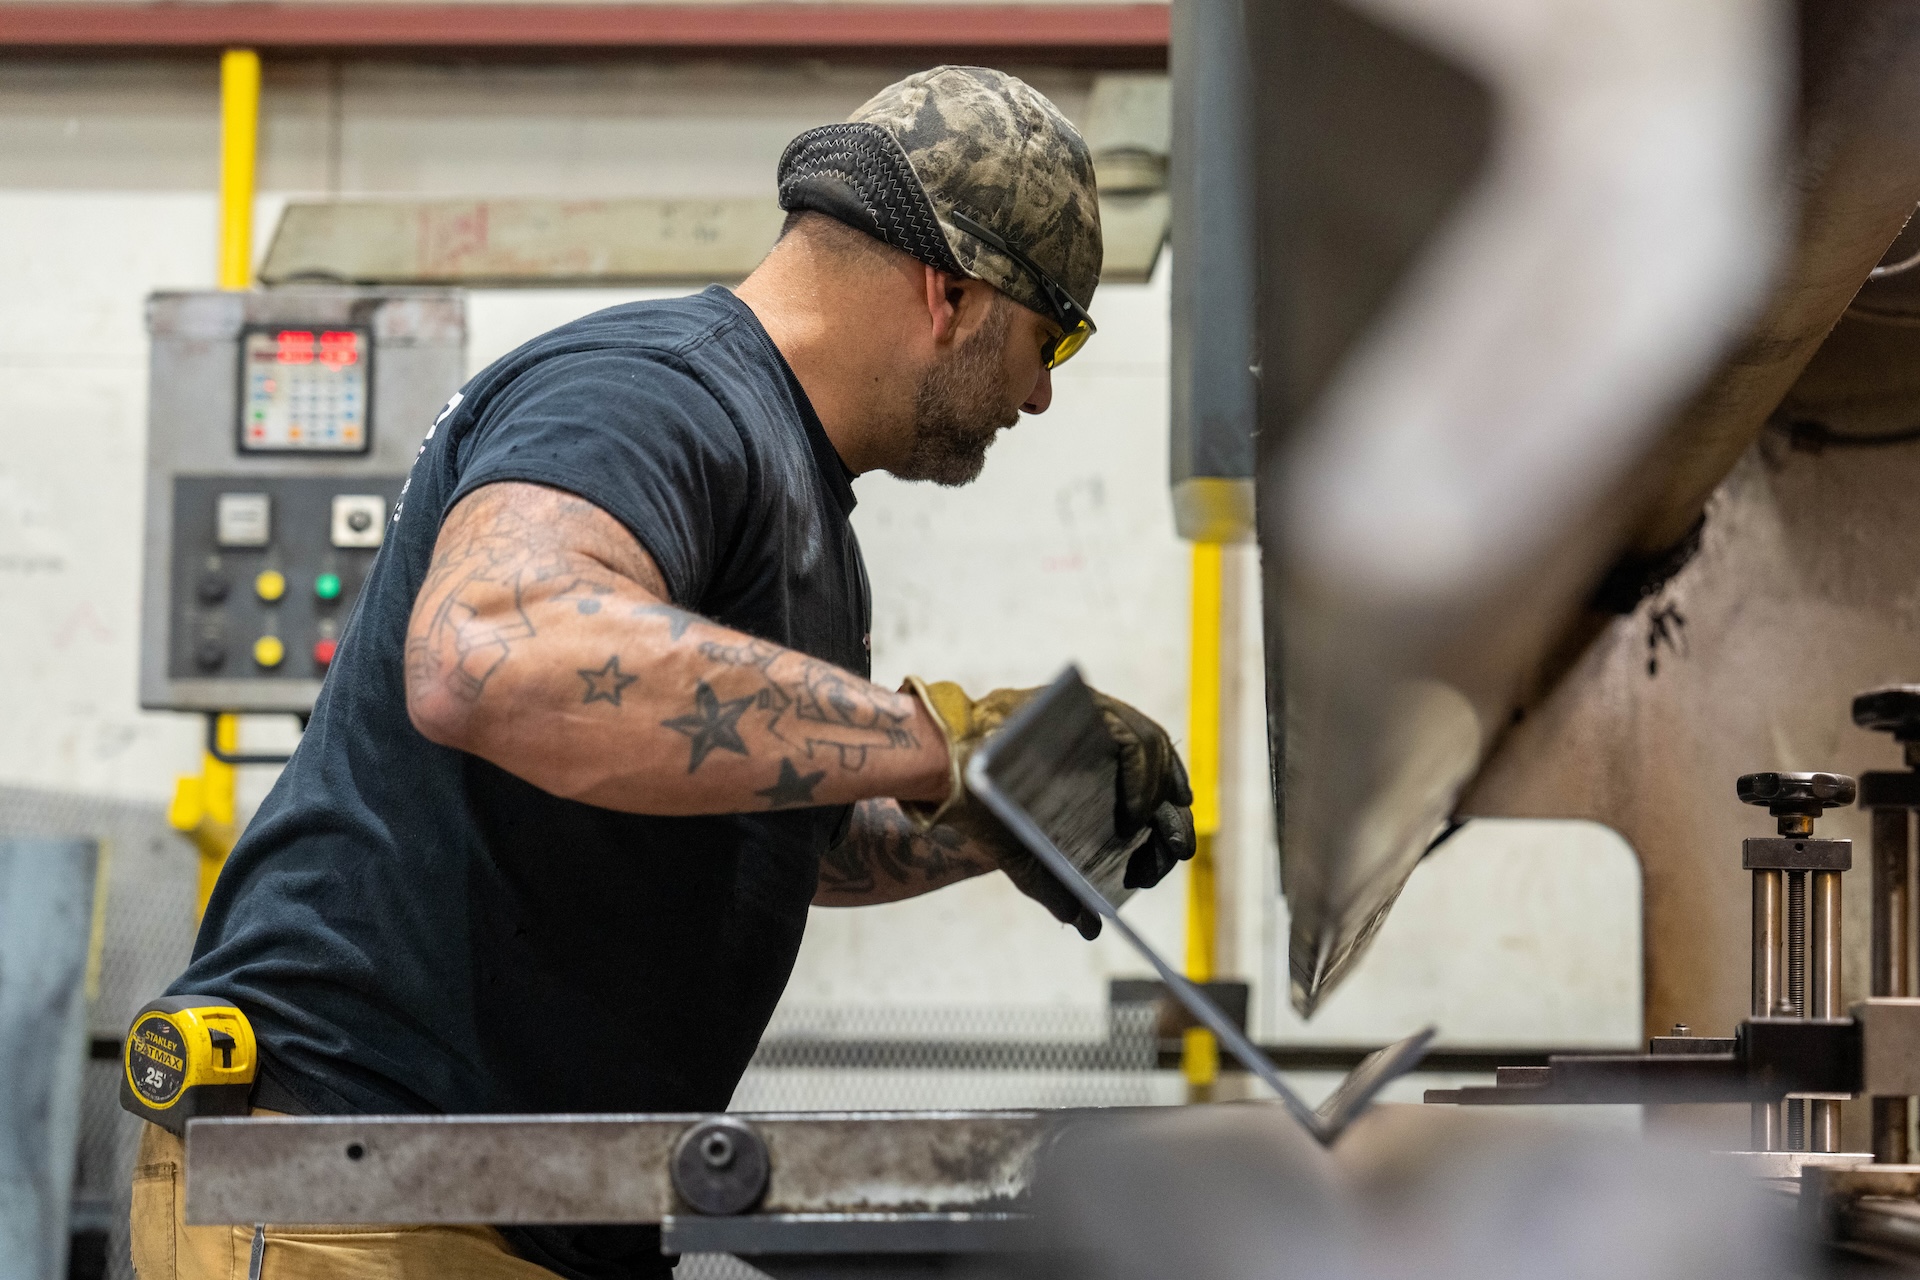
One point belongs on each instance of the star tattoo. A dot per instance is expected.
(605, 684)
(793, 787)
(712, 725)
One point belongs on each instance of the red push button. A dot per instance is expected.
(323, 651)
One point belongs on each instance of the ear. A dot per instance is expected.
(944, 301)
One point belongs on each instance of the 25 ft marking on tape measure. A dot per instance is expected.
(156, 1060)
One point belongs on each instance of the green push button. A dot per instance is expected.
(327, 586)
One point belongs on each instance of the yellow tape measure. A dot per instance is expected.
(186, 1056)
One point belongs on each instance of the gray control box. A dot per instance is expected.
(280, 428)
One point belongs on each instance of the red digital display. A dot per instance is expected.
(339, 348)
(335, 348)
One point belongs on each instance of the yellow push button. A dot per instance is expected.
(268, 651)
(270, 585)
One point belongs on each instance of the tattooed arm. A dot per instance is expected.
(543, 640)
(885, 858)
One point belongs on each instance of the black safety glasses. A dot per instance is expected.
(1076, 326)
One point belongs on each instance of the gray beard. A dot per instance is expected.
(960, 407)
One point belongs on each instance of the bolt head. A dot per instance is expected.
(717, 1150)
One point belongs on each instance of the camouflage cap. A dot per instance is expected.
(959, 138)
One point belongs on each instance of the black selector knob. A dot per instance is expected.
(212, 588)
(209, 655)
(1894, 709)
(359, 521)
(1796, 799)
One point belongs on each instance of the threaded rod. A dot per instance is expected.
(1797, 943)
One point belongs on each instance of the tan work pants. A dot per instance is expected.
(166, 1248)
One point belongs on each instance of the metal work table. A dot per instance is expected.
(803, 1194)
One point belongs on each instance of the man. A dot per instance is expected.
(600, 728)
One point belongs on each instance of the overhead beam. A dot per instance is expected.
(1105, 34)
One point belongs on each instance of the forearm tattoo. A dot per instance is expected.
(804, 704)
(518, 564)
(520, 545)
(885, 855)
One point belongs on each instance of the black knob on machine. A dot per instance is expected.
(1796, 798)
(212, 588)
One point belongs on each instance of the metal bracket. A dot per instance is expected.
(1785, 853)
(1889, 1046)
(225, 757)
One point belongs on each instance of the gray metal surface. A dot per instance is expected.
(532, 1169)
(847, 1233)
(1823, 994)
(933, 1058)
(1797, 599)
(418, 360)
(1212, 356)
(1763, 673)
(46, 908)
(1776, 853)
(1890, 1045)
(1885, 1227)
(151, 874)
(1782, 1166)
(1504, 650)
(1870, 1208)
(513, 241)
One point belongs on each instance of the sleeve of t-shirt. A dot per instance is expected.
(635, 434)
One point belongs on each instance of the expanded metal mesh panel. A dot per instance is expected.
(715, 1266)
(816, 1058)
(151, 875)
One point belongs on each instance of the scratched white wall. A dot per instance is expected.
(1063, 551)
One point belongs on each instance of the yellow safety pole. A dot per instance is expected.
(203, 808)
(1200, 1056)
(203, 803)
(239, 144)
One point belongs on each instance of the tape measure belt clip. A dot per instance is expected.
(188, 1056)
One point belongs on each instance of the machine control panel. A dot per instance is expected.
(275, 604)
(281, 428)
(305, 390)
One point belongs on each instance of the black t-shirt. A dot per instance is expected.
(412, 929)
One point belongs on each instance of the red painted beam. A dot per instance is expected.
(1129, 32)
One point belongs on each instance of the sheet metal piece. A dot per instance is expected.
(507, 241)
(1048, 775)
(355, 1170)
(46, 900)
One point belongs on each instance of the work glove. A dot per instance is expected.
(1151, 792)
